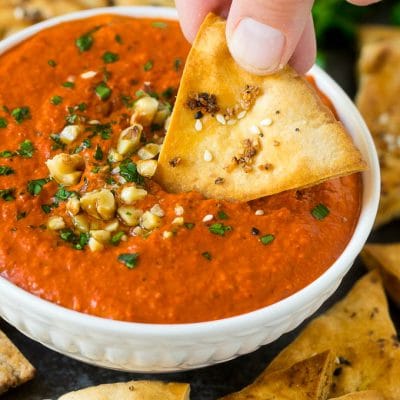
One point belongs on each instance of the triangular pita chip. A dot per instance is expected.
(379, 102)
(15, 369)
(386, 258)
(364, 395)
(309, 379)
(134, 390)
(359, 331)
(282, 136)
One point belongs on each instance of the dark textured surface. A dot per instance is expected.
(57, 374)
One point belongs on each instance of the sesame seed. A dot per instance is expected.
(198, 125)
(116, 170)
(389, 138)
(259, 212)
(255, 129)
(241, 115)
(94, 122)
(179, 210)
(88, 75)
(266, 122)
(221, 119)
(208, 218)
(121, 180)
(383, 119)
(207, 156)
(231, 121)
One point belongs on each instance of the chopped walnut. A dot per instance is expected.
(203, 102)
(248, 96)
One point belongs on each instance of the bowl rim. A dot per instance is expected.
(236, 323)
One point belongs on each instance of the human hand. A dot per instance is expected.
(262, 35)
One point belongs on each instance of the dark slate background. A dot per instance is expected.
(57, 374)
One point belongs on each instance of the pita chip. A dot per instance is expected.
(379, 103)
(386, 258)
(364, 395)
(360, 333)
(15, 369)
(134, 390)
(309, 379)
(377, 33)
(235, 135)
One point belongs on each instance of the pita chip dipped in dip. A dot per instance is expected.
(241, 136)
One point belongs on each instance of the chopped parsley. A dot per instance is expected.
(21, 215)
(78, 241)
(189, 225)
(98, 154)
(46, 208)
(68, 84)
(58, 144)
(86, 144)
(127, 101)
(177, 64)
(71, 119)
(207, 255)
(168, 92)
(109, 57)
(3, 123)
(62, 194)
(84, 42)
(26, 149)
(267, 239)
(219, 229)
(104, 130)
(56, 100)
(52, 63)
(222, 215)
(6, 154)
(81, 107)
(103, 92)
(36, 186)
(21, 114)
(7, 194)
(129, 260)
(149, 65)
(5, 170)
(116, 239)
(159, 24)
(129, 172)
(320, 211)
(118, 39)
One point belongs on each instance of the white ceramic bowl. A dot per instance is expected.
(159, 348)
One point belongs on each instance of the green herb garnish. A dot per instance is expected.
(222, 215)
(219, 229)
(267, 239)
(62, 194)
(58, 144)
(177, 64)
(21, 114)
(130, 260)
(3, 123)
(6, 154)
(149, 65)
(116, 239)
(109, 57)
(207, 255)
(189, 225)
(68, 84)
(52, 63)
(26, 149)
(84, 42)
(118, 39)
(7, 194)
(5, 170)
(128, 171)
(98, 154)
(104, 130)
(21, 215)
(56, 100)
(103, 91)
(320, 211)
(35, 186)
(46, 208)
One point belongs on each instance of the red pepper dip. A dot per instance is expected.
(84, 106)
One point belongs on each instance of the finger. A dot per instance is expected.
(192, 13)
(303, 57)
(263, 34)
(363, 2)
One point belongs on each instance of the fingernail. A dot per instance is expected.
(257, 47)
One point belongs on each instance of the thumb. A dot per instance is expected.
(263, 34)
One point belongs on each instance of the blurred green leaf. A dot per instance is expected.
(395, 14)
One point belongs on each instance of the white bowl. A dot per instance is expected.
(160, 348)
